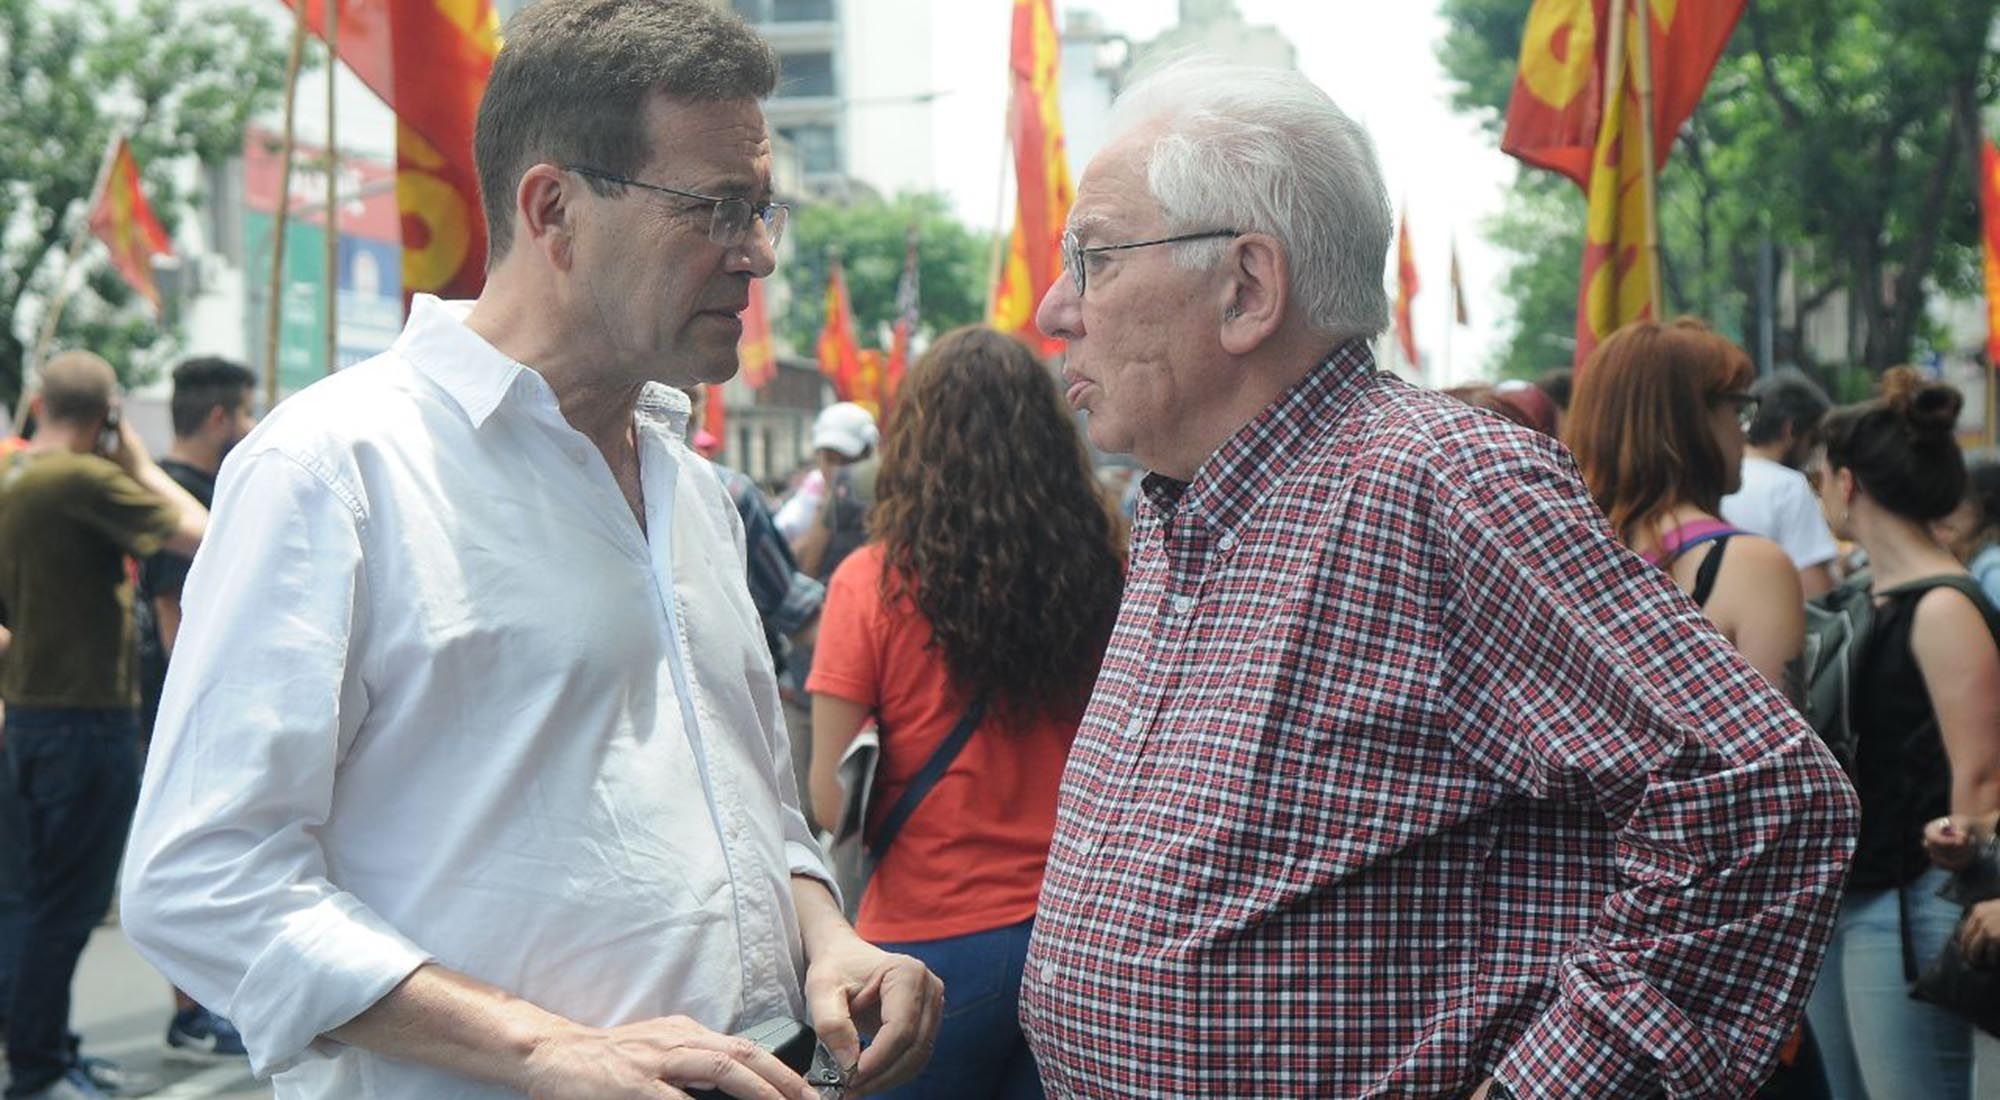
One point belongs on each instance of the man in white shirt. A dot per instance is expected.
(1775, 500)
(469, 780)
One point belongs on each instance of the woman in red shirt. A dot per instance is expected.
(993, 578)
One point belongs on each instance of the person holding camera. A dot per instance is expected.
(74, 505)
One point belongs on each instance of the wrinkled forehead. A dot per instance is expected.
(1114, 194)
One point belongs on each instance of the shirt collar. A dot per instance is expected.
(479, 377)
(1228, 486)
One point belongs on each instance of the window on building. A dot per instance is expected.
(818, 146)
(753, 11)
(805, 74)
(801, 11)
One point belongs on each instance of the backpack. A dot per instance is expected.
(1837, 627)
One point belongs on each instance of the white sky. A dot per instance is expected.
(1377, 60)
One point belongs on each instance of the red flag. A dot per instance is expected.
(1041, 176)
(839, 353)
(755, 353)
(711, 437)
(1989, 202)
(1557, 120)
(906, 325)
(428, 60)
(124, 221)
(1406, 292)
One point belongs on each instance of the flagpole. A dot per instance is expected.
(332, 191)
(1003, 233)
(282, 215)
(1643, 70)
(1450, 309)
(44, 339)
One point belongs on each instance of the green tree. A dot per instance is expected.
(1845, 132)
(180, 78)
(871, 236)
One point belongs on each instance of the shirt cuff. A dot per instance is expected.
(1568, 1055)
(808, 861)
(328, 965)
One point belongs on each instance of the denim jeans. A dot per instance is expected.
(981, 1053)
(75, 778)
(1877, 1043)
(13, 888)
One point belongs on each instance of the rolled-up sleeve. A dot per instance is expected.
(226, 888)
(1584, 677)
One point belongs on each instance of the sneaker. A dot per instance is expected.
(74, 1085)
(113, 1079)
(198, 1035)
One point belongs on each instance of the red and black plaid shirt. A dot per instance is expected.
(1401, 772)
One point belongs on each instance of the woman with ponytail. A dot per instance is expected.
(984, 601)
(1925, 707)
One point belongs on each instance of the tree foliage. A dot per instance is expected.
(871, 236)
(1845, 132)
(180, 78)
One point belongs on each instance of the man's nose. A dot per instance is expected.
(1060, 315)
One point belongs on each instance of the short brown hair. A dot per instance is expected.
(76, 387)
(1639, 423)
(570, 86)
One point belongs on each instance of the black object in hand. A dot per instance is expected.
(791, 1040)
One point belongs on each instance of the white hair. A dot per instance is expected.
(1265, 150)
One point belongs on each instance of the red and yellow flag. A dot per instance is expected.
(839, 352)
(1406, 292)
(1041, 176)
(1569, 71)
(756, 355)
(121, 217)
(1989, 204)
(428, 60)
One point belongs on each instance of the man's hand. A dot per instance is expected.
(855, 989)
(1485, 1087)
(1953, 842)
(1979, 938)
(655, 1060)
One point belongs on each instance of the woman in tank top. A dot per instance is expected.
(1925, 699)
(1657, 427)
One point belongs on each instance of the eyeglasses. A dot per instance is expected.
(1073, 252)
(1746, 406)
(730, 223)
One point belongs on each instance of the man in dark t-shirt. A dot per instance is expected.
(211, 414)
(79, 500)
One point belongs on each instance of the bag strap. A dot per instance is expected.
(1965, 585)
(933, 770)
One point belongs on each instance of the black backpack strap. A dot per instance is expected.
(933, 770)
(1704, 578)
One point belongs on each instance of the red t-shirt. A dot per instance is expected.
(970, 858)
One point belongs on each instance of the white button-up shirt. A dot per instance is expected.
(437, 697)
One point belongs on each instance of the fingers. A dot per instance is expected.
(738, 1067)
(833, 1019)
(912, 1004)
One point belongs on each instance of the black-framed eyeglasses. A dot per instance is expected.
(1073, 252)
(730, 223)
(1746, 404)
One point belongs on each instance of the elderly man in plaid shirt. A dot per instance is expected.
(1402, 778)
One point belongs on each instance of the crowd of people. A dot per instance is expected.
(1371, 741)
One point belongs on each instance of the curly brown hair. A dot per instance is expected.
(992, 523)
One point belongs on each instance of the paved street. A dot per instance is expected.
(122, 1008)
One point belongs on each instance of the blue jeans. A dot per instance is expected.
(1877, 1043)
(981, 1053)
(13, 888)
(75, 777)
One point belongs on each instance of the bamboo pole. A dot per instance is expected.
(281, 216)
(332, 191)
(1643, 70)
(1003, 233)
(46, 338)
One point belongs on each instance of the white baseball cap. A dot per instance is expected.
(847, 428)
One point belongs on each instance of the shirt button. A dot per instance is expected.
(1183, 604)
(1048, 971)
(1227, 542)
